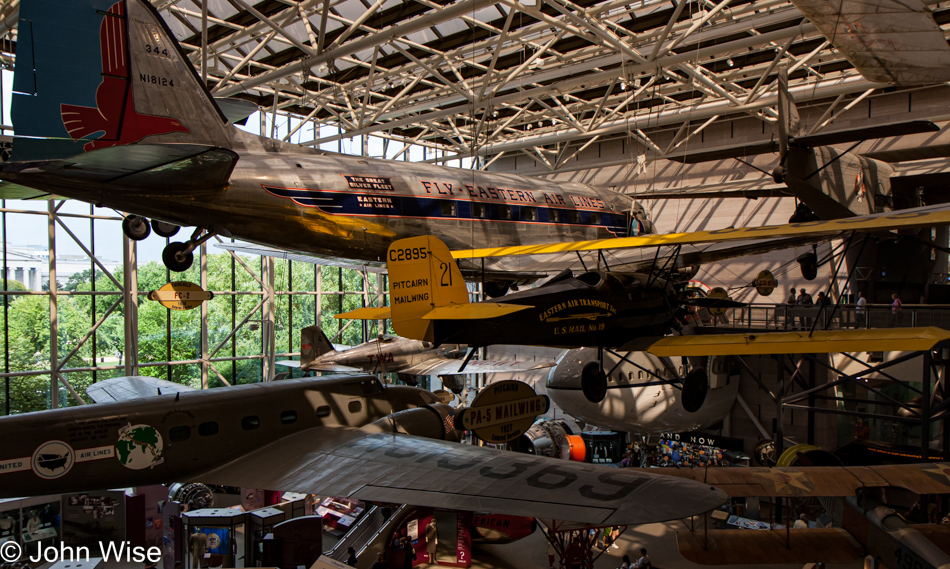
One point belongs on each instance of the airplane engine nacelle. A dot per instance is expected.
(543, 439)
(641, 394)
(429, 421)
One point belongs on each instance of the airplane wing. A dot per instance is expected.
(890, 41)
(132, 387)
(830, 481)
(175, 168)
(801, 342)
(264, 251)
(449, 366)
(405, 469)
(930, 216)
(764, 188)
(333, 368)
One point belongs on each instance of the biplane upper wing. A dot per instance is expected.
(406, 469)
(831, 481)
(930, 216)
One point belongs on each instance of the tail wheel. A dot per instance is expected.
(695, 388)
(163, 229)
(135, 227)
(594, 382)
(177, 257)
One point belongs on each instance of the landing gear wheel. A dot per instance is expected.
(494, 289)
(163, 229)
(594, 382)
(175, 257)
(135, 227)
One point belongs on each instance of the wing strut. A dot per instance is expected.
(844, 253)
(468, 358)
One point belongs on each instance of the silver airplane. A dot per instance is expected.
(642, 393)
(144, 136)
(404, 356)
(345, 436)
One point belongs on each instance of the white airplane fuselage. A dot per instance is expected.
(641, 400)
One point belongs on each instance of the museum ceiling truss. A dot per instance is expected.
(543, 78)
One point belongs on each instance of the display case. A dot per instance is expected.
(258, 524)
(211, 537)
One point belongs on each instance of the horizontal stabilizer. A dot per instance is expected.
(132, 387)
(866, 133)
(236, 110)
(818, 342)
(368, 313)
(481, 311)
(331, 368)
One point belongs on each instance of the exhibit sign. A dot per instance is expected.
(180, 295)
(503, 411)
(717, 292)
(765, 283)
(324, 562)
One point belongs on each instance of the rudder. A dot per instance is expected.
(127, 80)
(313, 344)
(422, 276)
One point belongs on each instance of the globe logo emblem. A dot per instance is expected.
(139, 447)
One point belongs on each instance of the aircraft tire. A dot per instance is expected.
(135, 227)
(175, 258)
(494, 289)
(594, 382)
(163, 229)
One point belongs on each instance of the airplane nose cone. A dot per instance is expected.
(567, 373)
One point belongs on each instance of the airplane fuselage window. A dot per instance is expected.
(529, 214)
(595, 219)
(208, 429)
(178, 434)
(323, 411)
(573, 217)
(553, 215)
(288, 417)
(355, 406)
(504, 212)
(478, 211)
(448, 209)
(250, 423)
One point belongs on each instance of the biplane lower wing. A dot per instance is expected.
(801, 342)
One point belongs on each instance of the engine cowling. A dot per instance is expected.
(433, 421)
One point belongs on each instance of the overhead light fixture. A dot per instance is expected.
(729, 62)
(623, 85)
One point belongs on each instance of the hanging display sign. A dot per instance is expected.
(181, 295)
(503, 411)
(717, 292)
(765, 283)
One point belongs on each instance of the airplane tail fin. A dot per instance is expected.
(126, 80)
(423, 276)
(313, 344)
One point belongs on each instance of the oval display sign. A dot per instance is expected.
(181, 295)
(503, 411)
(717, 292)
(765, 283)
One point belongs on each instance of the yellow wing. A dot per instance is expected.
(904, 219)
